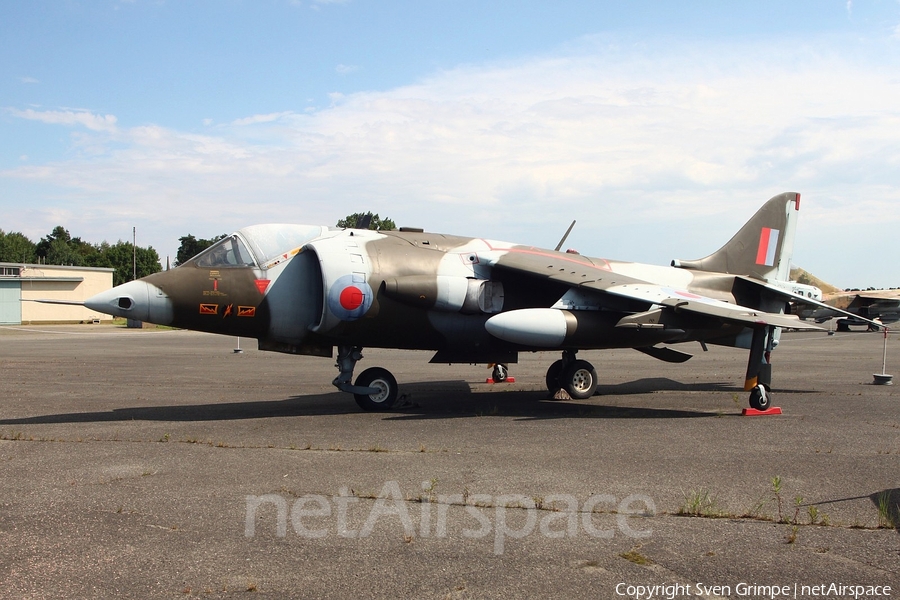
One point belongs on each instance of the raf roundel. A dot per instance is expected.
(349, 300)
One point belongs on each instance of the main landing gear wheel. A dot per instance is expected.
(500, 373)
(381, 379)
(554, 374)
(760, 398)
(579, 379)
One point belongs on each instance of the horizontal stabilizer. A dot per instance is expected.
(666, 354)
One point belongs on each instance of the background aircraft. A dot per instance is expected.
(304, 289)
(877, 305)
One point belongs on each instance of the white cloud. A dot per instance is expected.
(345, 69)
(255, 119)
(28, 80)
(84, 118)
(658, 154)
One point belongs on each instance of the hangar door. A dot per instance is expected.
(10, 303)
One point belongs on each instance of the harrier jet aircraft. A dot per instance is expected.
(304, 289)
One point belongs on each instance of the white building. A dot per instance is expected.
(21, 284)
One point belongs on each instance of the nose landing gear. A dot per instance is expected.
(375, 388)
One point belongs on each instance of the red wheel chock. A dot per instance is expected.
(752, 412)
(508, 380)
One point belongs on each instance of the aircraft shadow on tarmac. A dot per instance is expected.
(419, 400)
(650, 385)
(887, 502)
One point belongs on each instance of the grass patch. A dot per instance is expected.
(699, 503)
(636, 557)
(887, 513)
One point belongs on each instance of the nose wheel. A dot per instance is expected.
(384, 382)
(375, 388)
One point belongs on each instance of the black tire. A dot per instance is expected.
(760, 398)
(580, 380)
(500, 373)
(378, 378)
(553, 377)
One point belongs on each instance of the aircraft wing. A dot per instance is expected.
(800, 299)
(596, 275)
(683, 301)
(571, 269)
(878, 303)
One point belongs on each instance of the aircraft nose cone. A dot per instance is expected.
(134, 300)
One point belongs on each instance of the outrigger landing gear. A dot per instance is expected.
(375, 388)
(759, 368)
(500, 373)
(760, 398)
(578, 378)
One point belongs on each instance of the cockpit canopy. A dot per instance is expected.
(227, 252)
(257, 245)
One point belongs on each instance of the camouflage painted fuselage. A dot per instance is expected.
(418, 290)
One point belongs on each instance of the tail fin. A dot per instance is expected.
(762, 248)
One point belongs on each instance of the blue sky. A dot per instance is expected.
(659, 126)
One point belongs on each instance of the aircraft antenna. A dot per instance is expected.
(563, 240)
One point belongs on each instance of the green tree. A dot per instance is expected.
(60, 253)
(121, 256)
(191, 247)
(98, 256)
(59, 233)
(376, 222)
(15, 247)
(60, 248)
(83, 249)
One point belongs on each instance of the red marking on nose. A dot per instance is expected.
(351, 298)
